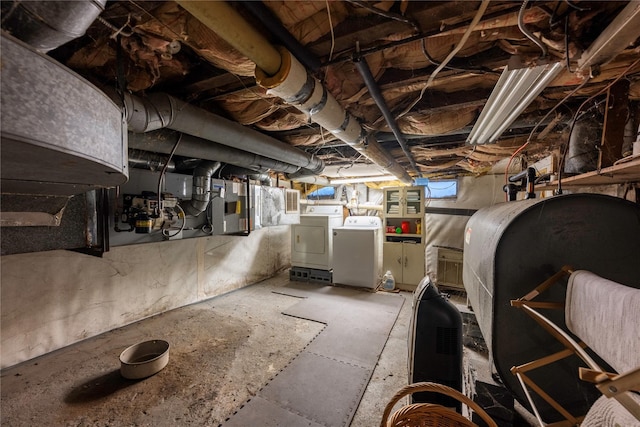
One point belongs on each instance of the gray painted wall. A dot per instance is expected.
(50, 300)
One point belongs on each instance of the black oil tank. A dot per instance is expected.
(510, 248)
(435, 343)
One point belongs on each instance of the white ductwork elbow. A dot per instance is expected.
(297, 87)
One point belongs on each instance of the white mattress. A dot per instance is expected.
(606, 316)
(609, 413)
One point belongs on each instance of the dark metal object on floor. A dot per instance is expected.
(435, 344)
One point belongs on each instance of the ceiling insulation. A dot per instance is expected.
(157, 46)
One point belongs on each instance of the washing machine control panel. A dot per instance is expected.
(362, 221)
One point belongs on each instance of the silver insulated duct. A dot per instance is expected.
(60, 134)
(201, 193)
(151, 161)
(163, 141)
(46, 25)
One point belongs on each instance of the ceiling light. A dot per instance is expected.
(517, 87)
(362, 179)
(618, 35)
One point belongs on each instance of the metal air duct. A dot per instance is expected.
(201, 192)
(584, 144)
(299, 174)
(264, 178)
(46, 25)
(240, 172)
(160, 110)
(284, 76)
(163, 141)
(151, 161)
(60, 134)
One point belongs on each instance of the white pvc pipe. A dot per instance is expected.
(312, 179)
(296, 86)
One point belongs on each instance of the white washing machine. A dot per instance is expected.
(312, 239)
(357, 252)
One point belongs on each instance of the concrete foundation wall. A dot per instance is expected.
(53, 299)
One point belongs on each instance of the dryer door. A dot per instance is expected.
(309, 244)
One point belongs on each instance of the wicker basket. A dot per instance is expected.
(429, 414)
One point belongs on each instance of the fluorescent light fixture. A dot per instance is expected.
(517, 87)
(362, 179)
(618, 35)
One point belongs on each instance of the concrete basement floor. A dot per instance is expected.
(223, 351)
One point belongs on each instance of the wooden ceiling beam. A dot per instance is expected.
(431, 17)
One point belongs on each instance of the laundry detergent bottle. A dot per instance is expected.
(388, 281)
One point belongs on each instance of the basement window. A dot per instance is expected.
(442, 189)
(323, 193)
